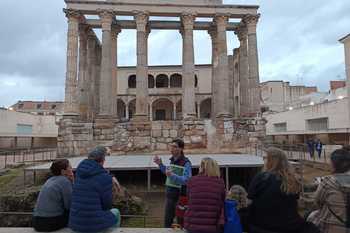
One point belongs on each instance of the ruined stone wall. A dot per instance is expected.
(156, 135)
(227, 135)
(74, 138)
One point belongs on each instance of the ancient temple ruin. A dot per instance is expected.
(214, 107)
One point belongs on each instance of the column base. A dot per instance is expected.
(224, 115)
(140, 118)
(72, 116)
(190, 117)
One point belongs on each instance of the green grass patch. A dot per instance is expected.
(9, 176)
(135, 222)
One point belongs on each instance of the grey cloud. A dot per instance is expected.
(296, 38)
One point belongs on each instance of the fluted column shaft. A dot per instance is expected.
(106, 65)
(114, 48)
(97, 77)
(223, 95)
(214, 81)
(141, 19)
(243, 70)
(71, 98)
(82, 75)
(253, 81)
(188, 96)
(346, 42)
(91, 73)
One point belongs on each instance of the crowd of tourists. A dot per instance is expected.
(200, 203)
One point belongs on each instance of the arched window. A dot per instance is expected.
(162, 110)
(195, 80)
(176, 81)
(162, 81)
(132, 81)
(150, 81)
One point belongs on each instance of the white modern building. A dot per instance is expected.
(25, 130)
(317, 115)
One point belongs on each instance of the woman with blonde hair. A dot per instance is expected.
(206, 196)
(274, 194)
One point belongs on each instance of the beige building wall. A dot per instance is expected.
(297, 121)
(203, 73)
(279, 95)
(17, 124)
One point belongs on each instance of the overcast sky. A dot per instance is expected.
(297, 40)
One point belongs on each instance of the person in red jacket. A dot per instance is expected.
(206, 196)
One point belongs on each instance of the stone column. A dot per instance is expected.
(174, 104)
(106, 65)
(97, 77)
(91, 72)
(346, 41)
(127, 111)
(150, 112)
(214, 62)
(231, 87)
(82, 75)
(188, 96)
(114, 48)
(223, 95)
(71, 99)
(141, 19)
(236, 91)
(241, 32)
(198, 110)
(253, 81)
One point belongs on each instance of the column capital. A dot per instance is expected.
(212, 32)
(251, 20)
(83, 31)
(141, 19)
(115, 31)
(241, 32)
(187, 19)
(91, 34)
(72, 14)
(106, 17)
(221, 20)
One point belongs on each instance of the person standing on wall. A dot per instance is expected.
(178, 173)
(311, 147)
(318, 147)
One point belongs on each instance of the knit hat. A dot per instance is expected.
(98, 153)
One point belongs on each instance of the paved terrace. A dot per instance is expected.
(119, 230)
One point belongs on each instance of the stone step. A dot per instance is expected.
(119, 230)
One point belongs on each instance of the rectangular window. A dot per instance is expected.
(160, 115)
(280, 127)
(317, 124)
(23, 129)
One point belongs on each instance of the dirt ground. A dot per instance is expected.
(312, 170)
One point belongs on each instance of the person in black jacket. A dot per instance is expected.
(274, 194)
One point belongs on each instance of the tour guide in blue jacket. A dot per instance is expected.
(173, 193)
(92, 196)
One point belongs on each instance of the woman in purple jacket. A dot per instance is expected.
(206, 196)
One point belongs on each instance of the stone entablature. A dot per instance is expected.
(165, 9)
(177, 2)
